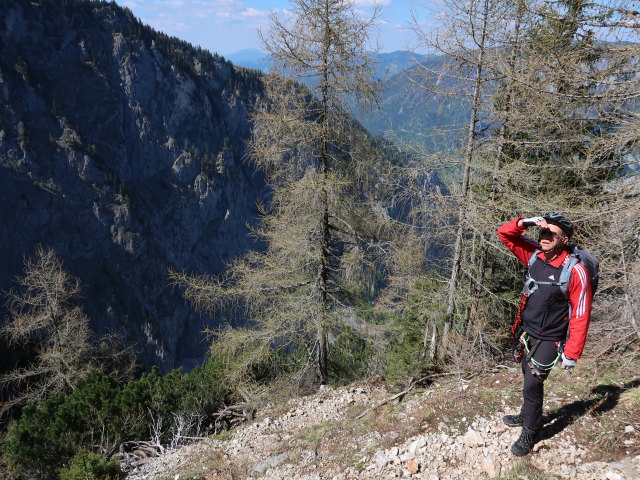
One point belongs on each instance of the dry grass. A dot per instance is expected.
(604, 398)
(526, 471)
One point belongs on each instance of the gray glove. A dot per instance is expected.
(531, 221)
(567, 362)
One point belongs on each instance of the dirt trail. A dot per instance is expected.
(452, 430)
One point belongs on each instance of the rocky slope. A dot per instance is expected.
(123, 150)
(451, 430)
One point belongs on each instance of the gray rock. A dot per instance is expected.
(270, 462)
(417, 445)
(472, 438)
(382, 460)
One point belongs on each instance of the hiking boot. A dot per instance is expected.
(525, 443)
(512, 420)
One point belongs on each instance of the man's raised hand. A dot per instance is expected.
(532, 221)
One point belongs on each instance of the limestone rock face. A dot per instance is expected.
(123, 150)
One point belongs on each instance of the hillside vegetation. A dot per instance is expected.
(451, 429)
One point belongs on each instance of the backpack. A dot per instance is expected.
(590, 262)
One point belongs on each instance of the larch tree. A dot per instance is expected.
(298, 297)
(552, 89)
(47, 319)
(574, 142)
(472, 37)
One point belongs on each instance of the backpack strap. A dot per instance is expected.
(565, 275)
(531, 285)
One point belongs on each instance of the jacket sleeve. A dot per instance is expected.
(580, 299)
(511, 235)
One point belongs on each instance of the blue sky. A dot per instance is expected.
(227, 26)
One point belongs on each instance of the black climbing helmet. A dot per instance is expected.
(560, 220)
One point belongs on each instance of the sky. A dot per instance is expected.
(228, 26)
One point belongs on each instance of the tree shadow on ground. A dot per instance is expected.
(602, 398)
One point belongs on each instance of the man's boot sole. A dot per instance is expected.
(520, 453)
(510, 424)
(545, 419)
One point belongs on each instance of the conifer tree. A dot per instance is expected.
(47, 319)
(473, 38)
(299, 295)
(555, 137)
(550, 90)
(571, 145)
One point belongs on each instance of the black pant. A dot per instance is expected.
(533, 389)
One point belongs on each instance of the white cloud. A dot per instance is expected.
(372, 3)
(253, 13)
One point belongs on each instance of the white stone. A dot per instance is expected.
(472, 439)
(382, 460)
(629, 429)
(417, 444)
(407, 456)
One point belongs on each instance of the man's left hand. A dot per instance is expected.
(567, 363)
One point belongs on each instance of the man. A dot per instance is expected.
(553, 323)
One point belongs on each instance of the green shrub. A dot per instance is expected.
(87, 465)
(101, 413)
(33, 444)
(407, 352)
(349, 357)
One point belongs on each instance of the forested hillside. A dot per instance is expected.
(429, 121)
(404, 114)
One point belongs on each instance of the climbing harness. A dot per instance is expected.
(528, 349)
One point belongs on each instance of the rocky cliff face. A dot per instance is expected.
(123, 150)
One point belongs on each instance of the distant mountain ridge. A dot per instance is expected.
(406, 114)
(412, 112)
(387, 64)
(250, 58)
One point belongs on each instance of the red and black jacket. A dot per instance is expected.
(546, 314)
